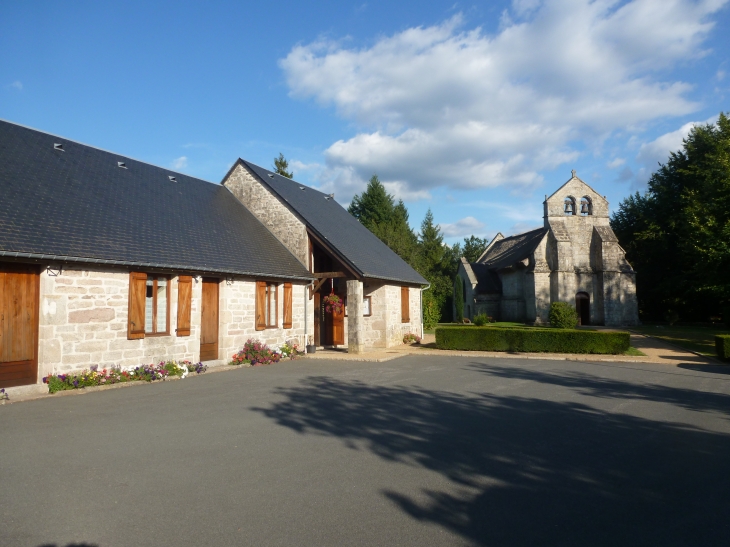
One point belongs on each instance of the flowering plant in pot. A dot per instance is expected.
(333, 303)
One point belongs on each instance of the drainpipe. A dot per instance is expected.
(423, 289)
(306, 313)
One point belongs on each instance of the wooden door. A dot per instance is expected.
(19, 288)
(209, 320)
(338, 326)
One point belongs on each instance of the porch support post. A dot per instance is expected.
(355, 339)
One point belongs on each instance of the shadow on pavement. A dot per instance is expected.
(529, 471)
(715, 369)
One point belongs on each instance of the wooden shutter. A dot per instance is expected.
(184, 304)
(287, 305)
(405, 307)
(137, 293)
(260, 305)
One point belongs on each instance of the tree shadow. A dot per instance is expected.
(530, 471)
(715, 369)
(600, 387)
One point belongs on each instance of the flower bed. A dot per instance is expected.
(256, 353)
(117, 375)
(411, 338)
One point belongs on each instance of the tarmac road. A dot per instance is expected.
(416, 451)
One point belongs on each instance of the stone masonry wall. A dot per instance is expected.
(275, 215)
(83, 322)
(238, 313)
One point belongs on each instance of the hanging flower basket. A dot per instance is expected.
(333, 304)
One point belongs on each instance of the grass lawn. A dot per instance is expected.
(699, 339)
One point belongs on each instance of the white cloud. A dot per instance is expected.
(448, 106)
(180, 163)
(616, 162)
(465, 227)
(17, 84)
(656, 152)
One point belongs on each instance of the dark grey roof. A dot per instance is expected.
(487, 279)
(78, 205)
(355, 244)
(507, 251)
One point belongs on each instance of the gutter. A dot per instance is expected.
(41, 257)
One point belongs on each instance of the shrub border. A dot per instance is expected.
(532, 340)
(722, 346)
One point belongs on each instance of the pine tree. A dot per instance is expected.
(281, 166)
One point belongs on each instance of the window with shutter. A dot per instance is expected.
(136, 315)
(287, 305)
(184, 304)
(405, 307)
(260, 305)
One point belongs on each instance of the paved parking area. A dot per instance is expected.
(421, 450)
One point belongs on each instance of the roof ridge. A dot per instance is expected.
(284, 179)
(102, 150)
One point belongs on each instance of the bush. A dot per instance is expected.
(482, 319)
(563, 316)
(411, 338)
(431, 310)
(532, 340)
(256, 353)
(722, 346)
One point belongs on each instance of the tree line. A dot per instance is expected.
(677, 233)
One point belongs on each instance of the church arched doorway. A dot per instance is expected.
(583, 307)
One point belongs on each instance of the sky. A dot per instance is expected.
(474, 110)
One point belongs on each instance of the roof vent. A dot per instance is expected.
(271, 176)
(172, 179)
(301, 187)
(58, 146)
(121, 164)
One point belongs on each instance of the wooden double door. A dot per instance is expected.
(329, 328)
(19, 292)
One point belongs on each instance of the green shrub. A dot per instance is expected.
(458, 300)
(532, 340)
(482, 319)
(722, 346)
(563, 316)
(431, 311)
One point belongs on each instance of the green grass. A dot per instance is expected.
(633, 352)
(699, 339)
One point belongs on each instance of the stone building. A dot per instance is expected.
(109, 261)
(575, 257)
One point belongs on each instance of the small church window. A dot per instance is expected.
(586, 207)
(569, 206)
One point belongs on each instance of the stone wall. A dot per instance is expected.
(83, 322)
(238, 312)
(273, 213)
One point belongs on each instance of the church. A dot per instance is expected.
(575, 258)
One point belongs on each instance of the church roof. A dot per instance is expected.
(487, 279)
(507, 251)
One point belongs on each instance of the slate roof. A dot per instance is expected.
(508, 251)
(78, 205)
(350, 240)
(487, 280)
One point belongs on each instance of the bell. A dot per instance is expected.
(584, 208)
(568, 207)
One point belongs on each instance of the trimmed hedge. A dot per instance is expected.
(722, 346)
(531, 340)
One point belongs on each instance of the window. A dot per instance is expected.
(267, 302)
(405, 306)
(149, 309)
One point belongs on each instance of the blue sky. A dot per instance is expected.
(474, 110)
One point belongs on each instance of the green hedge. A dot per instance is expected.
(546, 340)
(722, 346)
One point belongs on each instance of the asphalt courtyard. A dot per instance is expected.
(421, 450)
